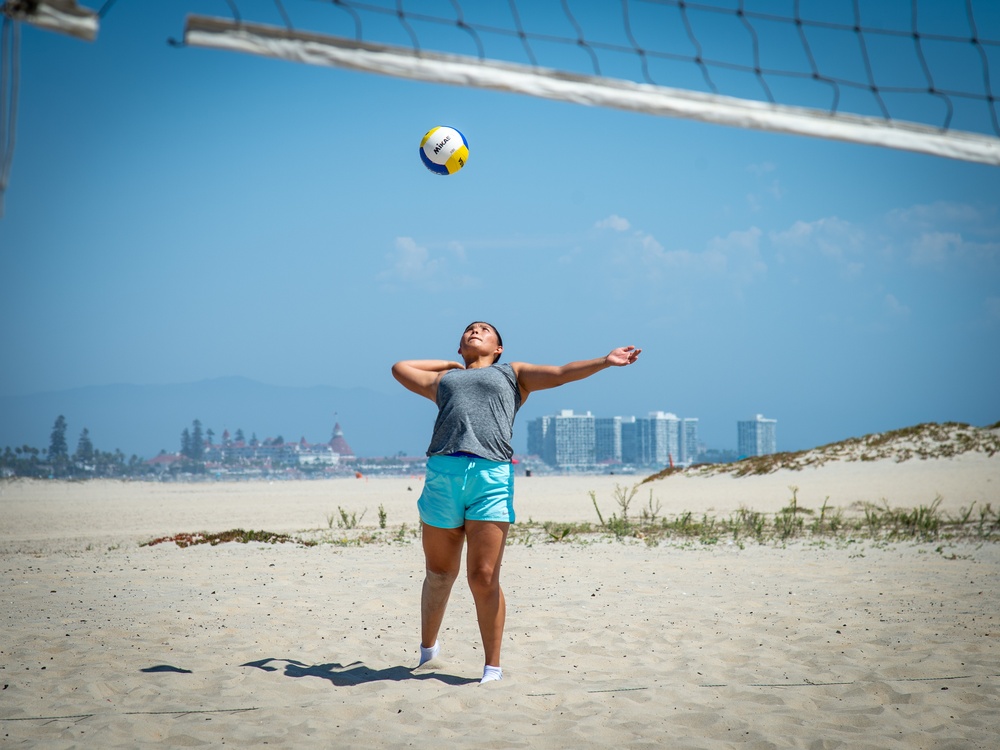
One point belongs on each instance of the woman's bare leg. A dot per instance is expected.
(486, 544)
(443, 559)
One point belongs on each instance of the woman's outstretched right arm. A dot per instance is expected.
(422, 375)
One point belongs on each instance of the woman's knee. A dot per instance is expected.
(483, 580)
(440, 576)
(442, 553)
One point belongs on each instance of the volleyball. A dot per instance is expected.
(444, 150)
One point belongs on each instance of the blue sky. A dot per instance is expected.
(175, 215)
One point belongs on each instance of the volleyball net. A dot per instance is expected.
(914, 75)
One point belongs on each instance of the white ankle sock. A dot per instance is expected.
(426, 654)
(491, 673)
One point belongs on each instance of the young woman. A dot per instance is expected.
(468, 493)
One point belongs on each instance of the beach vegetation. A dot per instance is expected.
(233, 535)
(877, 524)
(874, 524)
(349, 520)
(558, 532)
(870, 521)
(358, 540)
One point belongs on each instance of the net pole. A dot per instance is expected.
(63, 16)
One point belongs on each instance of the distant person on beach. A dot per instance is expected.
(468, 493)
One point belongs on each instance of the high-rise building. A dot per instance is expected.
(630, 441)
(665, 436)
(636, 442)
(573, 438)
(689, 440)
(757, 437)
(537, 431)
(651, 441)
(566, 440)
(608, 440)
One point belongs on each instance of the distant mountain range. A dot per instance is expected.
(145, 419)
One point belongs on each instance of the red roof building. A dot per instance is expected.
(337, 443)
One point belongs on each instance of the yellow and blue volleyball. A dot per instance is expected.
(444, 150)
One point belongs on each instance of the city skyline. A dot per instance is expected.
(144, 420)
(571, 440)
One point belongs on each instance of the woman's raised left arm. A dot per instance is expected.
(533, 378)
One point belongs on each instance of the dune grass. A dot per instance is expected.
(862, 521)
(635, 522)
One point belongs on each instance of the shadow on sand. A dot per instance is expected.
(355, 673)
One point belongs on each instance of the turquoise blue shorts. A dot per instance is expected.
(466, 488)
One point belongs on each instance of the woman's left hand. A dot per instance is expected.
(623, 355)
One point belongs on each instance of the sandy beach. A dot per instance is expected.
(814, 644)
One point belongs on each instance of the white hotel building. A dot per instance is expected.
(756, 437)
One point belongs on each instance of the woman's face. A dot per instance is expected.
(479, 339)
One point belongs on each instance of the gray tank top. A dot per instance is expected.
(476, 410)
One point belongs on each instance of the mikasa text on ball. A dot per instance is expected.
(444, 150)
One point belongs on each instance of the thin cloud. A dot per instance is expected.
(935, 248)
(832, 236)
(736, 256)
(761, 169)
(412, 264)
(930, 235)
(836, 239)
(941, 233)
(934, 215)
(895, 307)
(615, 222)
